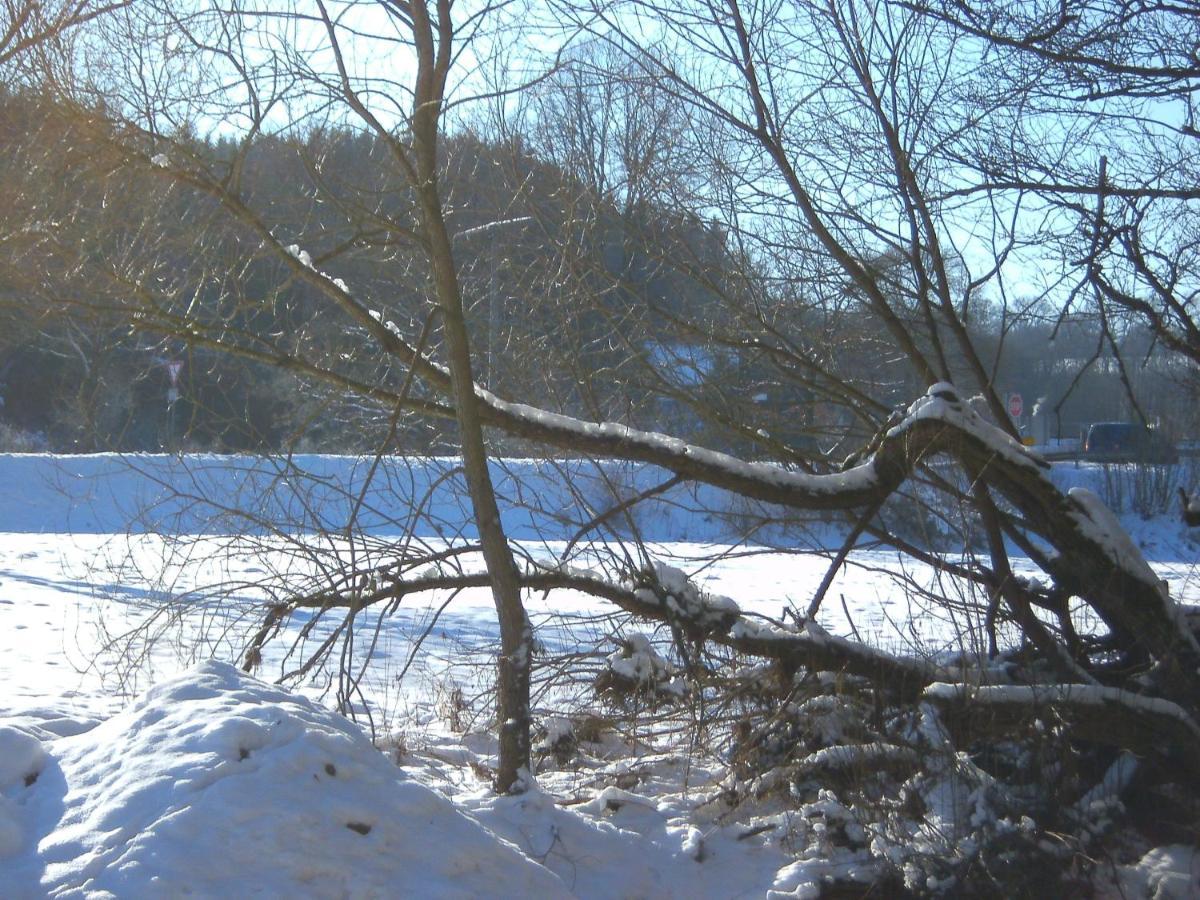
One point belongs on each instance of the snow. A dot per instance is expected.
(136, 794)
(301, 255)
(1099, 523)
(1075, 694)
(145, 493)
(21, 762)
(862, 755)
(684, 599)
(639, 663)
(558, 730)
(1164, 873)
(492, 226)
(942, 403)
(1109, 789)
(626, 844)
(21, 756)
(214, 784)
(861, 477)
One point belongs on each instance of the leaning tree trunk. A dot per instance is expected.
(1136, 690)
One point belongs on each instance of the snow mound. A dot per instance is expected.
(21, 756)
(21, 762)
(620, 845)
(214, 784)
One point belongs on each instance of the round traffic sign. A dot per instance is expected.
(1015, 405)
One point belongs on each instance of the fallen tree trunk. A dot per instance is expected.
(1147, 726)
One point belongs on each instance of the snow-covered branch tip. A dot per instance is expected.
(682, 601)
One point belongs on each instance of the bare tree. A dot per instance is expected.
(1106, 145)
(852, 267)
(154, 93)
(26, 25)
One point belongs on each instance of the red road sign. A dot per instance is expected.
(1015, 405)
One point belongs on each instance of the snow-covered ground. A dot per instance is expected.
(132, 766)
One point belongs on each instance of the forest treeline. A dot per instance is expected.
(621, 299)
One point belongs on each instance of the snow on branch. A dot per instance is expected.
(934, 424)
(856, 758)
(683, 601)
(1105, 715)
(814, 649)
(1109, 572)
(491, 226)
(1092, 557)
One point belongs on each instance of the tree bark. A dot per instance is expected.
(516, 639)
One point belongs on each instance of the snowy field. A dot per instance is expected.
(129, 762)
